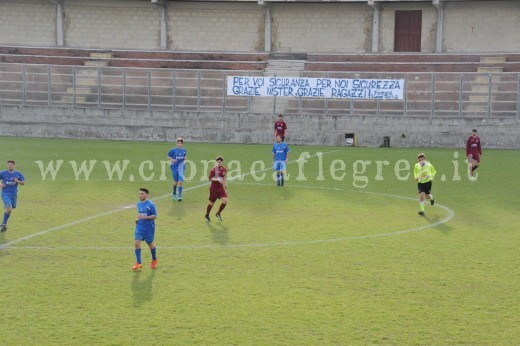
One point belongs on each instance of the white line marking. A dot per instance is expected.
(92, 217)
(450, 216)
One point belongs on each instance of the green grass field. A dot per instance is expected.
(337, 256)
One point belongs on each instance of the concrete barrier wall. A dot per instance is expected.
(253, 128)
(326, 27)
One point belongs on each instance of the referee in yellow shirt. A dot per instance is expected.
(424, 172)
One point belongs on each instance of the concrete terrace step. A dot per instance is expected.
(489, 69)
(492, 59)
(284, 68)
(95, 63)
(100, 55)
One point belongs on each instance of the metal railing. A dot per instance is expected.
(429, 95)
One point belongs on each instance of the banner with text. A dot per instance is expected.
(379, 89)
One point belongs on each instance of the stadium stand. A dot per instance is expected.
(413, 62)
(148, 59)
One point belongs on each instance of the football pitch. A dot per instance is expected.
(337, 256)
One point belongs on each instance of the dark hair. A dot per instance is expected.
(420, 155)
(474, 130)
(219, 158)
(144, 190)
(11, 161)
(280, 116)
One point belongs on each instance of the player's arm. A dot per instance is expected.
(432, 171)
(20, 179)
(479, 148)
(468, 147)
(416, 169)
(152, 214)
(146, 217)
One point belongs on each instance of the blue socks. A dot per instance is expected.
(138, 255)
(153, 251)
(180, 191)
(6, 217)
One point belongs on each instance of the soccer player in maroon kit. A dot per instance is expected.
(217, 189)
(473, 151)
(280, 128)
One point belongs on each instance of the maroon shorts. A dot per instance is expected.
(475, 156)
(216, 194)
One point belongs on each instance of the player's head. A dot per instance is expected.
(10, 165)
(280, 116)
(143, 194)
(219, 160)
(278, 139)
(474, 132)
(180, 141)
(421, 158)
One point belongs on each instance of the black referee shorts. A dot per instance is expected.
(425, 187)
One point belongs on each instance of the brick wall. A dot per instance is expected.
(27, 22)
(326, 27)
(487, 26)
(216, 27)
(91, 25)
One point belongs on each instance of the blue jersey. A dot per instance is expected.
(146, 208)
(178, 154)
(7, 179)
(280, 151)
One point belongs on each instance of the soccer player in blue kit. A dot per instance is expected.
(10, 179)
(177, 156)
(280, 157)
(145, 228)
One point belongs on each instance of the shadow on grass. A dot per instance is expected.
(219, 232)
(443, 227)
(142, 286)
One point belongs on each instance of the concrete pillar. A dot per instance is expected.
(375, 25)
(164, 28)
(267, 25)
(60, 40)
(439, 5)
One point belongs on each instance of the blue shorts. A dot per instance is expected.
(279, 166)
(9, 201)
(145, 234)
(178, 172)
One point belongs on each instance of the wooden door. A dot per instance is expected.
(407, 36)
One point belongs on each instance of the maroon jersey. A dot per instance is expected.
(280, 126)
(217, 172)
(473, 146)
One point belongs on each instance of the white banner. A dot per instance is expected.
(379, 89)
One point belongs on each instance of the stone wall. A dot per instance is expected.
(326, 27)
(26, 22)
(483, 26)
(253, 128)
